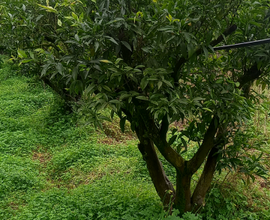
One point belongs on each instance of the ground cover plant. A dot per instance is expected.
(152, 64)
(51, 168)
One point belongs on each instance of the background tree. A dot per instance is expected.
(152, 64)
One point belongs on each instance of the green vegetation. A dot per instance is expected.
(50, 168)
(152, 64)
(53, 168)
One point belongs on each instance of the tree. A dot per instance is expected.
(152, 63)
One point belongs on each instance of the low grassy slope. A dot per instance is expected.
(50, 168)
(53, 168)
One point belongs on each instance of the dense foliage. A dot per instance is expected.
(53, 168)
(152, 63)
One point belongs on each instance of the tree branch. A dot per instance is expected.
(250, 75)
(161, 182)
(208, 143)
(205, 180)
(161, 143)
(183, 60)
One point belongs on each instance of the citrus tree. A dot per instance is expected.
(152, 63)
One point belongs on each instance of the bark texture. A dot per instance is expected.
(161, 182)
(205, 180)
(183, 193)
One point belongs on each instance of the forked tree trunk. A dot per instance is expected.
(161, 182)
(182, 199)
(183, 193)
(205, 180)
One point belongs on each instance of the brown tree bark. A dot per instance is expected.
(161, 182)
(183, 193)
(205, 180)
(149, 134)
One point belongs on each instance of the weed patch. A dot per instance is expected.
(106, 199)
(52, 167)
(18, 174)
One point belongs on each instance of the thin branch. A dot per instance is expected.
(164, 148)
(250, 75)
(208, 143)
(205, 180)
(183, 60)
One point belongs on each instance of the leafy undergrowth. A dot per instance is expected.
(53, 168)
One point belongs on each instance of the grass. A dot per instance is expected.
(51, 167)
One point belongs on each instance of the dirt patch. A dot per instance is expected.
(92, 176)
(43, 157)
(114, 135)
(179, 125)
(14, 206)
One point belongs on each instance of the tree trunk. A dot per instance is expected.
(205, 180)
(183, 194)
(161, 182)
(149, 134)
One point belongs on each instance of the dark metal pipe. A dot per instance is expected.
(245, 44)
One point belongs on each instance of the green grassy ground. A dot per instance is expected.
(50, 168)
(53, 168)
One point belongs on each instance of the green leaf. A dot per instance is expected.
(207, 109)
(48, 8)
(25, 61)
(111, 39)
(74, 16)
(126, 45)
(90, 89)
(198, 99)
(118, 60)
(142, 98)
(187, 36)
(112, 114)
(205, 52)
(22, 53)
(75, 72)
(59, 22)
(60, 68)
(263, 86)
(184, 143)
(168, 83)
(76, 86)
(144, 83)
(122, 124)
(219, 81)
(166, 29)
(139, 67)
(115, 20)
(106, 88)
(172, 139)
(179, 147)
(147, 49)
(159, 84)
(96, 46)
(45, 69)
(32, 55)
(77, 37)
(124, 96)
(170, 39)
(105, 61)
(39, 17)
